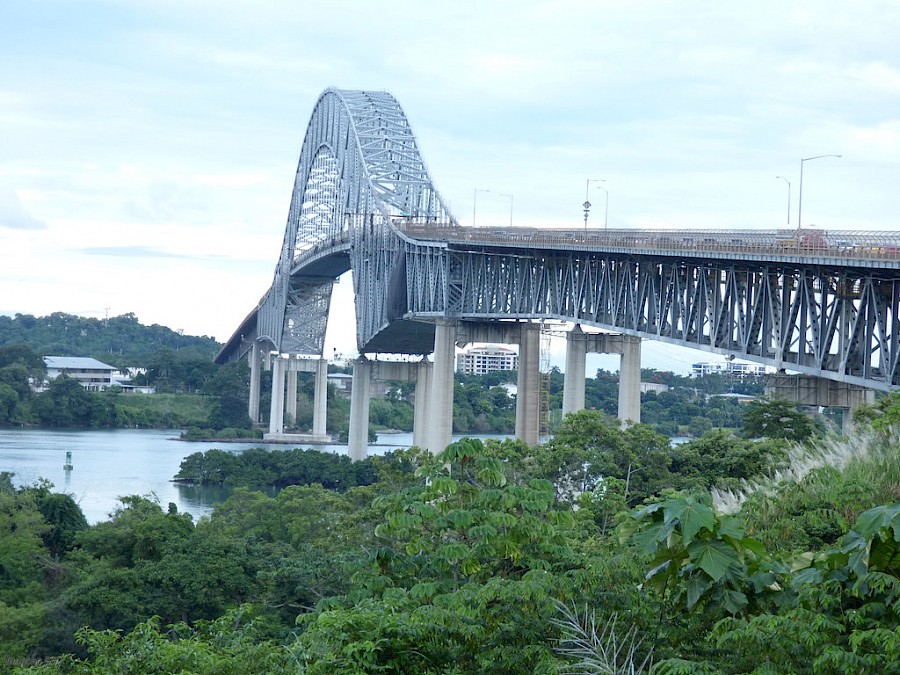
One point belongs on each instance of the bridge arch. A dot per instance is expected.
(359, 170)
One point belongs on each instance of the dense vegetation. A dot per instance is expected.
(120, 341)
(601, 551)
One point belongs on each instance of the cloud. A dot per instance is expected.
(13, 215)
(133, 252)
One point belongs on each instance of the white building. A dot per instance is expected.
(481, 360)
(738, 368)
(90, 373)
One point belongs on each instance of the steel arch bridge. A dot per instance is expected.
(823, 304)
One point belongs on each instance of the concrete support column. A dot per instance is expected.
(630, 380)
(358, 446)
(423, 396)
(573, 387)
(528, 388)
(440, 405)
(276, 412)
(320, 399)
(253, 407)
(291, 405)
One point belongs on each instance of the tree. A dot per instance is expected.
(777, 418)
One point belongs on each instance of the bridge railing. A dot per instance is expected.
(849, 244)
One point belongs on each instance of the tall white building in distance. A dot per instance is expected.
(736, 368)
(481, 360)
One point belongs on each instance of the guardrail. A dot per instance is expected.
(848, 244)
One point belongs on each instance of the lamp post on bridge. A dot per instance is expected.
(587, 203)
(789, 197)
(605, 208)
(800, 197)
(510, 207)
(475, 203)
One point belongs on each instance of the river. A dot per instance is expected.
(109, 464)
(114, 463)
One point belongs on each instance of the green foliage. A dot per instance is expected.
(590, 446)
(65, 403)
(777, 418)
(701, 557)
(720, 459)
(883, 415)
(257, 467)
(235, 644)
(119, 340)
(463, 581)
(847, 615)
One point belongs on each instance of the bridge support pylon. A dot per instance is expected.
(576, 358)
(820, 392)
(423, 397)
(276, 410)
(440, 404)
(578, 345)
(320, 400)
(528, 385)
(630, 380)
(291, 399)
(253, 407)
(358, 437)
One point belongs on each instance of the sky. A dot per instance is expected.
(148, 147)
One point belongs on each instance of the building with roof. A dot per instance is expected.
(481, 360)
(90, 373)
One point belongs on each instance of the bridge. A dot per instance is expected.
(821, 304)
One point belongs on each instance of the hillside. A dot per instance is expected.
(119, 340)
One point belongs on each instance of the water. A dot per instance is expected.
(113, 463)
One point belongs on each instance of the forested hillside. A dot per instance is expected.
(601, 551)
(118, 340)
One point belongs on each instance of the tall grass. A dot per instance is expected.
(867, 458)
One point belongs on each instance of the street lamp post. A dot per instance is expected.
(789, 197)
(587, 203)
(510, 207)
(475, 203)
(800, 197)
(605, 207)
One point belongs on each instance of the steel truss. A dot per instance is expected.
(359, 169)
(362, 200)
(835, 322)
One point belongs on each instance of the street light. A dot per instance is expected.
(605, 207)
(789, 197)
(587, 204)
(510, 206)
(475, 203)
(800, 198)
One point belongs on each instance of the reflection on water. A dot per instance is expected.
(203, 498)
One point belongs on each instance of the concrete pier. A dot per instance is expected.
(528, 386)
(440, 405)
(253, 408)
(423, 397)
(358, 442)
(578, 345)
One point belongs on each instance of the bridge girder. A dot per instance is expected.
(834, 322)
(362, 200)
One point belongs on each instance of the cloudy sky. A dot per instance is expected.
(148, 147)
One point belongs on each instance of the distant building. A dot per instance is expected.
(343, 383)
(653, 386)
(737, 368)
(481, 360)
(90, 373)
